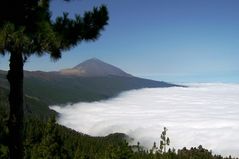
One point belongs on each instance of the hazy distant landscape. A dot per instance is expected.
(204, 114)
(113, 101)
(105, 79)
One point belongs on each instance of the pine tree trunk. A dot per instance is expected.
(15, 122)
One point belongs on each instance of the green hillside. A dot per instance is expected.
(53, 88)
(62, 89)
(33, 107)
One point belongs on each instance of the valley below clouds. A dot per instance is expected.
(201, 114)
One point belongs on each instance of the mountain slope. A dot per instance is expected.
(100, 81)
(74, 89)
(33, 107)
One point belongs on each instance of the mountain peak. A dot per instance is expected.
(91, 61)
(94, 67)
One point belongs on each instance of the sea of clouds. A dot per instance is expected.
(206, 114)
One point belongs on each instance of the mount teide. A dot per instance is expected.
(89, 81)
(94, 68)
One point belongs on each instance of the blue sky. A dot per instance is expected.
(170, 40)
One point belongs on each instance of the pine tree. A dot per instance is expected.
(26, 28)
(165, 141)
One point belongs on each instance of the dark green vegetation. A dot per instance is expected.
(43, 139)
(47, 140)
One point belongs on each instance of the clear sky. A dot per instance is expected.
(170, 40)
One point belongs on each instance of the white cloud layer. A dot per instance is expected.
(206, 114)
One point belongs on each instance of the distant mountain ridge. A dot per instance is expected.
(94, 68)
(91, 80)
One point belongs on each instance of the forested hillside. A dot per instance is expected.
(33, 107)
(54, 88)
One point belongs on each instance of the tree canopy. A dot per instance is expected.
(26, 26)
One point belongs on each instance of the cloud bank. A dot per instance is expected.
(206, 114)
